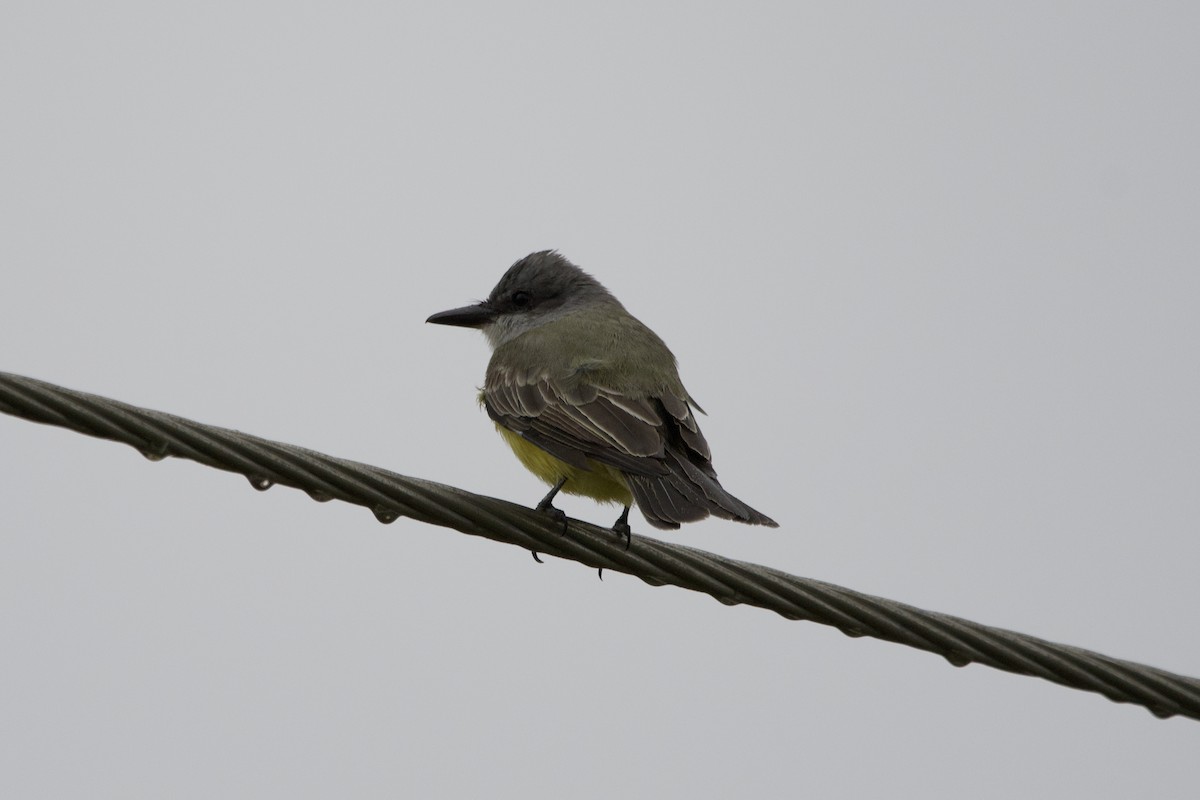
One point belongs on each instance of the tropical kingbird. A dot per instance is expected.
(590, 399)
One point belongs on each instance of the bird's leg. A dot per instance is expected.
(621, 526)
(547, 505)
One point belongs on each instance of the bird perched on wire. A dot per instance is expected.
(590, 399)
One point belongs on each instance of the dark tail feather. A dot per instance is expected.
(668, 500)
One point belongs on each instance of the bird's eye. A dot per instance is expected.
(521, 299)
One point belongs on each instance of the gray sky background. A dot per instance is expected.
(933, 269)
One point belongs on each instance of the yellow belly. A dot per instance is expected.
(602, 483)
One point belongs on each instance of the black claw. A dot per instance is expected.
(621, 526)
(600, 572)
(535, 557)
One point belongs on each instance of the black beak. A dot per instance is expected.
(475, 316)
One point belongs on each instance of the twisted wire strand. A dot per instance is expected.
(389, 496)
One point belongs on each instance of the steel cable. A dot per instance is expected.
(389, 496)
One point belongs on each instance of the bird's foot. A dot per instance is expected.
(546, 506)
(621, 527)
(556, 514)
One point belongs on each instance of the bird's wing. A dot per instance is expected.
(653, 440)
(579, 421)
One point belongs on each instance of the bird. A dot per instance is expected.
(590, 399)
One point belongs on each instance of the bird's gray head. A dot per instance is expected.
(540, 288)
